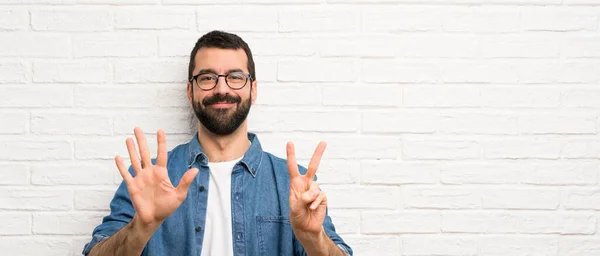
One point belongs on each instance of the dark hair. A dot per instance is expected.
(221, 40)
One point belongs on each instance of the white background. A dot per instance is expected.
(455, 127)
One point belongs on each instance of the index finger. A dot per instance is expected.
(291, 160)
(315, 160)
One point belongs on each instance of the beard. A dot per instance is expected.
(222, 121)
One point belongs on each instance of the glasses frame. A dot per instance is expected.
(195, 78)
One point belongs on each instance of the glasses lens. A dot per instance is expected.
(236, 80)
(206, 81)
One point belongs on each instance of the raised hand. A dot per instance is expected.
(153, 195)
(308, 204)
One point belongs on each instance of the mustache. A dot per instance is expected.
(221, 98)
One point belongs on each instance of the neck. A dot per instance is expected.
(222, 148)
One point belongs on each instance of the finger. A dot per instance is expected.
(186, 181)
(309, 196)
(161, 156)
(315, 160)
(123, 170)
(133, 156)
(291, 160)
(144, 151)
(321, 200)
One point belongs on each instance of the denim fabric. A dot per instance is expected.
(259, 207)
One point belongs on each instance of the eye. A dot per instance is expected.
(237, 76)
(206, 77)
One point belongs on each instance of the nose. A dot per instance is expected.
(221, 87)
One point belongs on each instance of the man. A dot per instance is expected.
(234, 198)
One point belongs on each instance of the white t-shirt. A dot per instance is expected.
(218, 240)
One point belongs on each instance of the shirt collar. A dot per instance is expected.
(251, 159)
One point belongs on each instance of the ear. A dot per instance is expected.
(254, 91)
(190, 92)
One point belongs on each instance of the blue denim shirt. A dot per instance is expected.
(259, 207)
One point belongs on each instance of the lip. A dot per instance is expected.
(221, 105)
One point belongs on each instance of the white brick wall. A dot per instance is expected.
(455, 127)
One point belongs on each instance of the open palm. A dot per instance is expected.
(308, 204)
(153, 196)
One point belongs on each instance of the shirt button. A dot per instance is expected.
(201, 188)
(198, 228)
(239, 236)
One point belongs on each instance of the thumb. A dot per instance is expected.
(186, 181)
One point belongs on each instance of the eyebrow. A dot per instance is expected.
(208, 70)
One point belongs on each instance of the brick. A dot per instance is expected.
(174, 122)
(521, 97)
(437, 149)
(441, 198)
(385, 71)
(583, 246)
(558, 19)
(36, 96)
(558, 223)
(260, 19)
(93, 199)
(399, 122)
(263, 120)
(117, 2)
(441, 96)
(14, 174)
(115, 44)
(28, 45)
(37, 2)
(268, 70)
(72, 19)
(479, 222)
(527, 46)
(27, 149)
(338, 171)
(562, 174)
(400, 222)
(71, 72)
(517, 198)
(330, 121)
(578, 148)
(521, 149)
(13, 19)
(483, 173)
(321, 19)
(550, 71)
(169, 95)
(346, 221)
(13, 122)
(36, 199)
(581, 98)
(277, 1)
(35, 245)
(481, 20)
(178, 45)
(72, 174)
(588, 199)
(282, 46)
(289, 94)
(13, 72)
(439, 245)
(150, 71)
(474, 123)
(374, 245)
(434, 46)
(15, 223)
(102, 148)
(383, 95)
(371, 197)
(154, 18)
(316, 71)
(558, 123)
(406, 18)
(110, 96)
(581, 47)
(518, 246)
(70, 123)
(398, 173)
(195, 2)
(65, 223)
(490, 71)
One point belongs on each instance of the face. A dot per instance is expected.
(221, 110)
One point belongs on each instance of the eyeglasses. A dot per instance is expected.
(207, 81)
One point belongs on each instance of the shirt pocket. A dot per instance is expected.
(275, 235)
